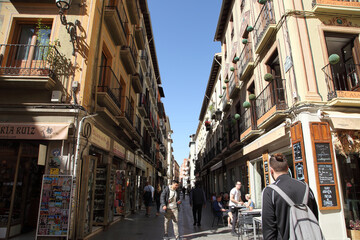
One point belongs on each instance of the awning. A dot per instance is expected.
(342, 120)
(43, 131)
(216, 166)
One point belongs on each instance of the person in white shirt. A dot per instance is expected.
(148, 197)
(235, 201)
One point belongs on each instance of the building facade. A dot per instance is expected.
(286, 81)
(87, 111)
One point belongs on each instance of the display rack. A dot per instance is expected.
(100, 192)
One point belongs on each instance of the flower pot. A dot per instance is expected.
(268, 77)
(246, 104)
(237, 116)
(244, 41)
(224, 87)
(226, 80)
(220, 96)
(252, 97)
(249, 28)
(334, 59)
(236, 59)
(232, 69)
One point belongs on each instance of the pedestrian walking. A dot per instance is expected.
(235, 202)
(197, 202)
(157, 195)
(275, 210)
(148, 197)
(170, 201)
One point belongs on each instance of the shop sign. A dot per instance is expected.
(140, 163)
(100, 139)
(48, 131)
(130, 157)
(119, 150)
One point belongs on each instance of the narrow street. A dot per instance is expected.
(140, 227)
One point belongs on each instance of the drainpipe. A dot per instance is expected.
(78, 143)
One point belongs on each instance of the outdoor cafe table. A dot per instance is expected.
(256, 218)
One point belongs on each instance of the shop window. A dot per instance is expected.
(349, 168)
(259, 182)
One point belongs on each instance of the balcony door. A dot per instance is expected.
(30, 50)
(345, 74)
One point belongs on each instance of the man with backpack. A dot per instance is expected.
(279, 218)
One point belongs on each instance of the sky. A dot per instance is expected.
(184, 40)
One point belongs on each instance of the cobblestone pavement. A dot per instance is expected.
(138, 226)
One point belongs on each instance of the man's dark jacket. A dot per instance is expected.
(164, 198)
(197, 196)
(275, 211)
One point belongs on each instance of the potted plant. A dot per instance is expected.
(334, 59)
(252, 96)
(262, 1)
(249, 28)
(232, 69)
(226, 80)
(237, 116)
(207, 123)
(244, 41)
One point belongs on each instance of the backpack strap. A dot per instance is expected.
(282, 194)
(306, 196)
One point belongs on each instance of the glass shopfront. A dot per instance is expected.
(19, 167)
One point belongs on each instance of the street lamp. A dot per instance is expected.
(70, 27)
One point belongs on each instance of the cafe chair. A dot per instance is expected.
(219, 218)
(245, 225)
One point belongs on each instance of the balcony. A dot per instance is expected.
(127, 116)
(265, 27)
(148, 77)
(142, 105)
(137, 80)
(246, 65)
(134, 11)
(29, 66)
(271, 103)
(343, 84)
(226, 104)
(248, 127)
(109, 93)
(128, 55)
(116, 20)
(140, 36)
(136, 132)
(234, 86)
(336, 6)
(144, 59)
(148, 117)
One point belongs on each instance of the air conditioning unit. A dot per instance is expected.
(56, 96)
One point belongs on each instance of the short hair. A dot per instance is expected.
(218, 196)
(174, 181)
(247, 196)
(278, 162)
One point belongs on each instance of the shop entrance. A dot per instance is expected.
(19, 167)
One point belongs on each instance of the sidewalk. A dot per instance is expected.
(140, 227)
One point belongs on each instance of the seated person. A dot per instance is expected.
(219, 209)
(249, 203)
(225, 200)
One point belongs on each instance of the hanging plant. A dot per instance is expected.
(244, 41)
(334, 59)
(262, 1)
(232, 69)
(207, 123)
(220, 96)
(249, 28)
(252, 96)
(224, 87)
(268, 77)
(236, 59)
(246, 104)
(226, 80)
(237, 116)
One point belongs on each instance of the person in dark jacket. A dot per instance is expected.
(275, 211)
(197, 202)
(170, 201)
(157, 199)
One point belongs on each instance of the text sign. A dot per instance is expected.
(297, 151)
(328, 196)
(326, 174)
(323, 153)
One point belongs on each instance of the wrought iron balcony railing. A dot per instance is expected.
(246, 56)
(138, 124)
(133, 49)
(29, 60)
(129, 110)
(265, 18)
(341, 77)
(245, 120)
(272, 95)
(121, 13)
(110, 84)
